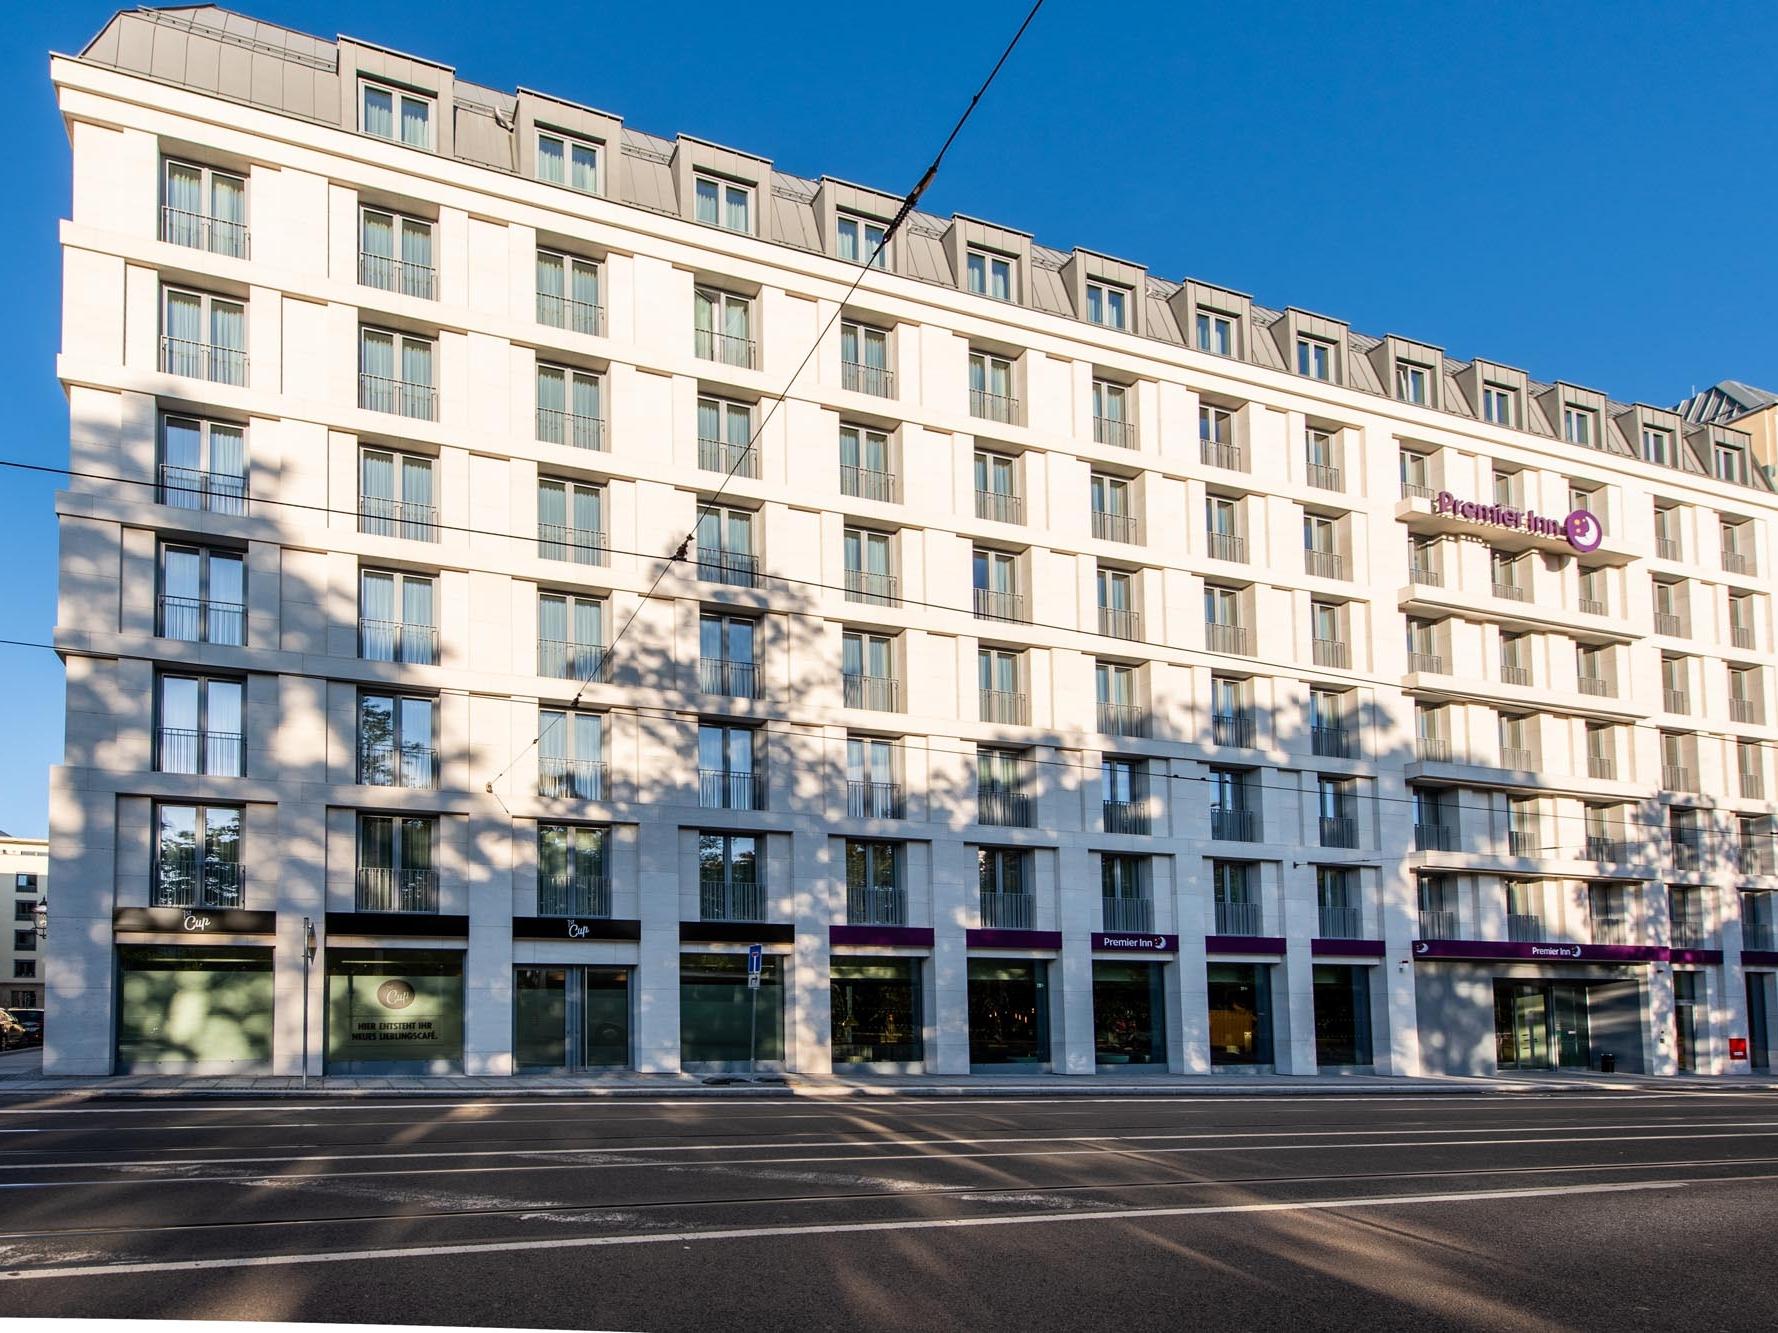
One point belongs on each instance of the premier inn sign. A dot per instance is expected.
(1580, 529)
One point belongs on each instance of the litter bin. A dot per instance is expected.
(1607, 1063)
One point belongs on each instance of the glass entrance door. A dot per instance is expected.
(1129, 1014)
(1541, 1025)
(1685, 1023)
(1759, 1032)
(1009, 1020)
(571, 1017)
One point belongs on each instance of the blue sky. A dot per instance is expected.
(1583, 190)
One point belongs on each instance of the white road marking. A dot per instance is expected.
(828, 1229)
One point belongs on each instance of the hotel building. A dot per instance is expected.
(1079, 670)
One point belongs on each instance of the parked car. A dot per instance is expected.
(20, 1027)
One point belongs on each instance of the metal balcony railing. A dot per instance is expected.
(1676, 777)
(874, 380)
(992, 605)
(381, 516)
(1110, 527)
(734, 568)
(1125, 816)
(396, 641)
(872, 589)
(1676, 701)
(1131, 915)
(1524, 842)
(881, 693)
(1331, 742)
(561, 778)
(993, 406)
(1339, 831)
(1691, 933)
(1007, 707)
(719, 675)
(1600, 685)
(555, 426)
(192, 488)
(1342, 923)
(564, 312)
(563, 541)
(408, 398)
(1238, 919)
(1122, 719)
(1324, 564)
(1753, 787)
(179, 750)
(1435, 838)
(1602, 766)
(1332, 653)
(1114, 431)
(1668, 624)
(200, 620)
(390, 765)
(1733, 562)
(728, 348)
(203, 361)
(999, 506)
(730, 789)
(865, 483)
(560, 659)
(1512, 674)
(1233, 824)
(1438, 925)
(720, 900)
(875, 800)
(1229, 457)
(385, 889)
(1005, 807)
(1325, 477)
(386, 273)
(1428, 663)
(1746, 710)
(1524, 927)
(1754, 858)
(203, 232)
(1434, 749)
(1517, 757)
(1666, 548)
(1233, 729)
(577, 893)
(1688, 849)
(1511, 592)
(1236, 640)
(186, 879)
(1227, 546)
(1432, 578)
(1416, 490)
(1604, 848)
(1760, 935)
(873, 905)
(1117, 622)
(1611, 929)
(1592, 606)
(726, 456)
(1008, 911)
(1743, 636)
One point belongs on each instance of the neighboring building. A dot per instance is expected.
(1749, 410)
(1083, 670)
(24, 878)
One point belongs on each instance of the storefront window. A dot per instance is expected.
(394, 1011)
(1009, 1014)
(190, 1009)
(719, 1015)
(1240, 1014)
(571, 1017)
(876, 1011)
(1129, 1014)
(1342, 1015)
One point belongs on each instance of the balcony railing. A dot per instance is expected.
(203, 361)
(1238, 918)
(1007, 707)
(561, 778)
(200, 620)
(1600, 685)
(1339, 831)
(1604, 848)
(1342, 923)
(1746, 710)
(1426, 663)
(992, 605)
(561, 660)
(188, 880)
(1132, 915)
(1331, 742)
(734, 568)
(1761, 935)
(877, 381)
(882, 693)
(396, 641)
(1227, 546)
(1524, 842)
(865, 483)
(1743, 636)
(1324, 564)
(1511, 592)
(1233, 729)
(192, 488)
(1435, 838)
(1676, 777)
(1325, 477)
(1236, 640)
(408, 398)
(1434, 749)
(1432, 578)
(719, 675)
(1511, 674)
(872, 589)
(391, 765)
(1114, 431)
(1109, 527)
(1524, 927)
(720, 900)
(1517, 758)
(578, 893)
(727, 456)
(873, 905)
(1229, 457)
(1008, 911)
(1753, 787)
(1593, 606)
(1733, 562)
(564, 312)
(1669, 624)
(993, 406)
(179, 750)
(202, 232)
(1126, 816)
(999, 506)
(1755, 858)
(383, 889)
(1676, 701)
(1613, 928)
(1438, 925)
(729, 789)
(875, 800)
(1688, 849)
(1116, 622)
(382, 516)
(1666, 548)
(728, 348)
(1122, 719)
(1001, 805)
(386, 273)
(1233, 824)
(1602, 766)
(555, 426)
(563, 541)
(1332, 653)
(1416, 490)
(1691, 933)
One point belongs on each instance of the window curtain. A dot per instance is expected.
(376, 598)
(876, 552)
(552, 506)
(586, 283)
(552, 392)
(978, 374)
(415, 116)
(589, 623)
(709, 531)
(735, 211)
(416, 602)
(552, 620)
(227, 584)
(703, 312)
(552, 734)
(549, 160)
(848, 248)
(709, 419)
(416, 493)
(416, 362)
(379, 112)
(1002, 280)
(182, 454)
(377, 355)
(586, 396)
(587, 507)
(416, 844)
(852, 655)
(877, 658)
(589, 736)
(735, 318)
(740, 425)
(377, 477)
(228, 451)
(179, 703)
(185, 187)
(711, 751)
(706, 207)
(222, 706)
(376, 842)
(740, 533)
(876, 350)
(549, 276)
(185, 330)
(416, 250)
(849, 452)
(379, 242)
(740, 641)
(586, 168)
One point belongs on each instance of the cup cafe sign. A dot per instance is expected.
(1580, 529)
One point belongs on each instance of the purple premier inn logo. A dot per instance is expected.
(1580, 529)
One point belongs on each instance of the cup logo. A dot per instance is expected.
(395, 995)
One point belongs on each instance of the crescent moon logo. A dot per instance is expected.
(1584, 531)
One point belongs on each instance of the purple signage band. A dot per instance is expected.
(1271, 944)
(1129, 943)
(1580, 529)
(881, 937)
(1541, 953)
(1013, 939)
(1759, 958)
(1345, 948)
(1697, 956)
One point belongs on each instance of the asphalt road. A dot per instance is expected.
(1536, 1212)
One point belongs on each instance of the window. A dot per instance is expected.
(203, 465)
(1123, 891)
(731, 877)
(1657, 446)
(867, 667)
(1314, 358)
(990, 388)
(572, 874)
(1416, 474)
(1736, 536)
(1729, 463)
(204, 208)
(1328, 733)
(997, 488)
(23, 883)
(570, 637)
(1113, 518)
(203, 595)
(728, 778)
(1006, 899)
(395, 618)
(1579, 426)
(1224, 629)
(396, 863)
(1505, 568)
(1118, 616)
(198, 726)
(571, 755)
(1411, 382)
(870, 567)
(873, 791)
(1215, 332)
(723, 327)
(725, 204)
(1321, 547)
(1111, 415)
(1222, 529)
(1593, 590)
(204, 337)
(397, 740)
(859, 240)
(865, 470)
(1498, 404)
(726, 546)
(395, 254)
(1327, 628)
(1592, 668)
(728, 661)
(1506, 487)
(1515, 658)
(570, 407)
(1320, 455)
(571, 521)
(568, 293)
(23, 969)
(996, 580)
(1108, 305)
(990, 275)
(565, 161)
(864, 360)
(197, 856)
(1114, 685)
(389, 114)
(395, 374)
(1337, 897)
(1231, 720)
(725, 437)
(1515, 741)
(1003, 698)
(874, 893)
(1234, 890)
(1003, 787)
(1422, 643)
(395, 497)
(1742, 633)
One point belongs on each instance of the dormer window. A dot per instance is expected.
(399, 116)
(1314, 358)
(1657, 446)
(565, 161)
(1579, 426)
(724, 204)
(1410, 382)
(1215, 332)
(1108, 305)
(990, 275)
(1497, 405)
(858, 240)
(1729, 463)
